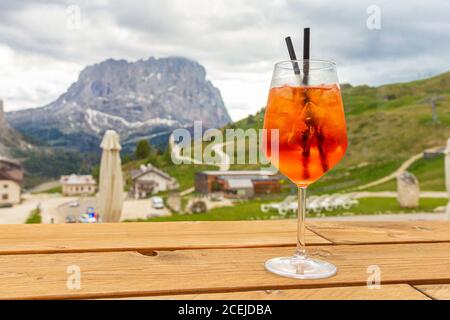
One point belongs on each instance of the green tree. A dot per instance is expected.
(167, 155)
(96, 172)
(126, 158)
(143, 149)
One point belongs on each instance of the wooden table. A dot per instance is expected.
(221, 260)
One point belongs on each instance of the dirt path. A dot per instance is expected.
(386, 217)
(405, 165)
(223, 165)
(187, 191)
(45, 186)
(20, 213)
(393, 194)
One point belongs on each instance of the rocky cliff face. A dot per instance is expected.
(9, 138)
(142, 99)
(2, 117)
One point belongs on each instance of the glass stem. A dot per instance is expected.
(301, 246)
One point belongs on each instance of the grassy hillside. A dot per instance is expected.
(46, 164)
(251, 210)
(184, 173)
(386, 125)
(395, 121)
(429, 172)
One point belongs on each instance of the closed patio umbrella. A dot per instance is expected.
(447, 175)
(111, 180)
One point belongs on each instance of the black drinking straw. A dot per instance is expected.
(306, 55)
(318, 131)
(292, 55)
(305, 140)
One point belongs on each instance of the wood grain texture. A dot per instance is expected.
(155, 235)
(386, 292)
(436, 291)
(382, 232)
(122, 274)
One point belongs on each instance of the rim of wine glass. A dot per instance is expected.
(289, 64)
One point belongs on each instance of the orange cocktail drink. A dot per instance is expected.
(311, 130)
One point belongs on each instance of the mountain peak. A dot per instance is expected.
(2, 115)
(137, 99)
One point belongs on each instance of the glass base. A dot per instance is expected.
(299, 267)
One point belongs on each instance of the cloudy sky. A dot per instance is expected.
(43, 44)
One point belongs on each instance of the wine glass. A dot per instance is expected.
(306, 111)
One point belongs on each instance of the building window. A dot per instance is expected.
(5, 197)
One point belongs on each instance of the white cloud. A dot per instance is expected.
(31, 80)
(236, 40)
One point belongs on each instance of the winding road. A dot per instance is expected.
(223, 164)
(386, 217)
(405, 165)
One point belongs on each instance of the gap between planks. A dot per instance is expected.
(40, 239)
(124, 274)
(435, 291)
(37, 239)
(386, 292)
(383, 232)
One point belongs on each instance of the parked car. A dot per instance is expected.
(74, 204)
(157, 202)
(71, 219)
(88, 218)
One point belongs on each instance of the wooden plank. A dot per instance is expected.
(153, 235)
(125, 274)
(382, 232)
(386, 292)
(436, 291)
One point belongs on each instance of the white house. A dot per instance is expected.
(11, 176)
(78, 185)
(149, 180)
